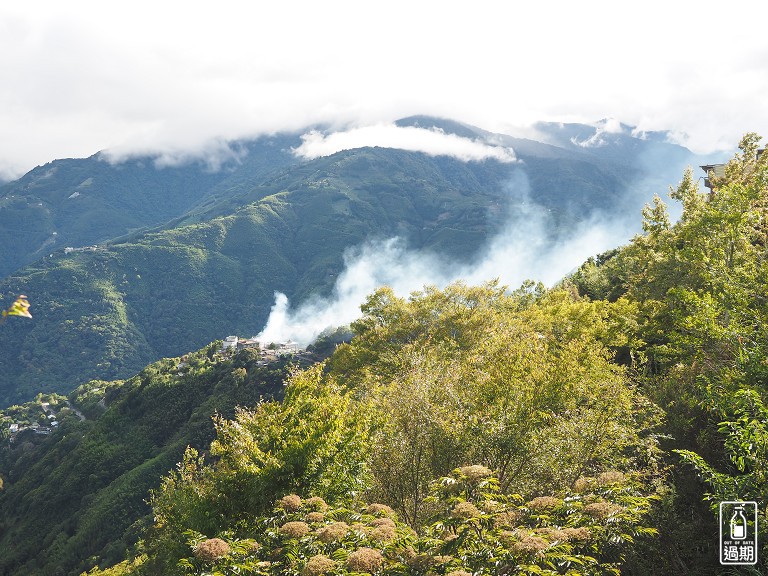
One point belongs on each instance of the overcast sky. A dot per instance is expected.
(77, 77)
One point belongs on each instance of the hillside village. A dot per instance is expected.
(269, 351)
(43, 416)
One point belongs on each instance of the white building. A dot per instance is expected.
(229, 342)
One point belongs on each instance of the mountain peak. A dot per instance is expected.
(443, 124)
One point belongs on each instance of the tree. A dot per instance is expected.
(702, 328)
(519, 383)
(311, 441)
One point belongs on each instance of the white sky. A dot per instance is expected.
(81, 76)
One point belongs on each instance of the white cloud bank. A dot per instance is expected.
(433, 142)
(522, 250)
(83, 75)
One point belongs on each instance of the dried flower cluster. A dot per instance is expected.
(465, 510)
(584, 484)
(553, 534)
(316, 503)
(475, 473)
(422, 562)
(383, 522)
(290, 503)
(318, 565)
(380, 510)
(383, 534)
(333, 532)
(610, 477)
(530, 545)
(365, 560)
(601, 510)
(294, 529)
(544, 503)
(507, 519)
(581, 534)
(211, 550)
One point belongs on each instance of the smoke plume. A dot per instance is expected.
(524, 249)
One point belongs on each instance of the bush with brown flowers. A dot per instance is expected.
(211, 550)
(294, 529)
(365, 560)
(318, 565)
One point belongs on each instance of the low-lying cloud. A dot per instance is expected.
(433, 142)
(213, 154)
(524, 249)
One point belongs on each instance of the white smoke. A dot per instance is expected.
(523, 250)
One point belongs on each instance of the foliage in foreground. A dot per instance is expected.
(475, 529)
(522, 384)
(701, 290)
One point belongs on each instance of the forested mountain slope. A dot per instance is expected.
(81, 202)
(270, 224)
(586, 429)
(80, 492)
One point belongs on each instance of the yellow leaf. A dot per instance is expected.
(19, 308)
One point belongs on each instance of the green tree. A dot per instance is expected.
(523, 383)
(701, 342)
(312, 440)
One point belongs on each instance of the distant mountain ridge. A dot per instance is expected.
(189, 255)
(78, 202)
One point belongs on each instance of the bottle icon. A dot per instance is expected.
(738, 524)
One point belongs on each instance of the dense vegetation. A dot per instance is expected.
(77, 495)
(81, 202)
(264, 221)
(590, 428)
(521, 384)
(476, 431)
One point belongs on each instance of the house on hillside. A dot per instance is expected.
(713, 171)
(229, 343)
(248, 343)
(289, 345)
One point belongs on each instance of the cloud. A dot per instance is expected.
(524, 249)
(607, 126)
(433, 142)
(213, 153)
(84, 76)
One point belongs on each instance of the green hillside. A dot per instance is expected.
(588, 429)
(104, 313)
(80, 492)
(81, 202)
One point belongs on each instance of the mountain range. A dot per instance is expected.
(129, 261)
